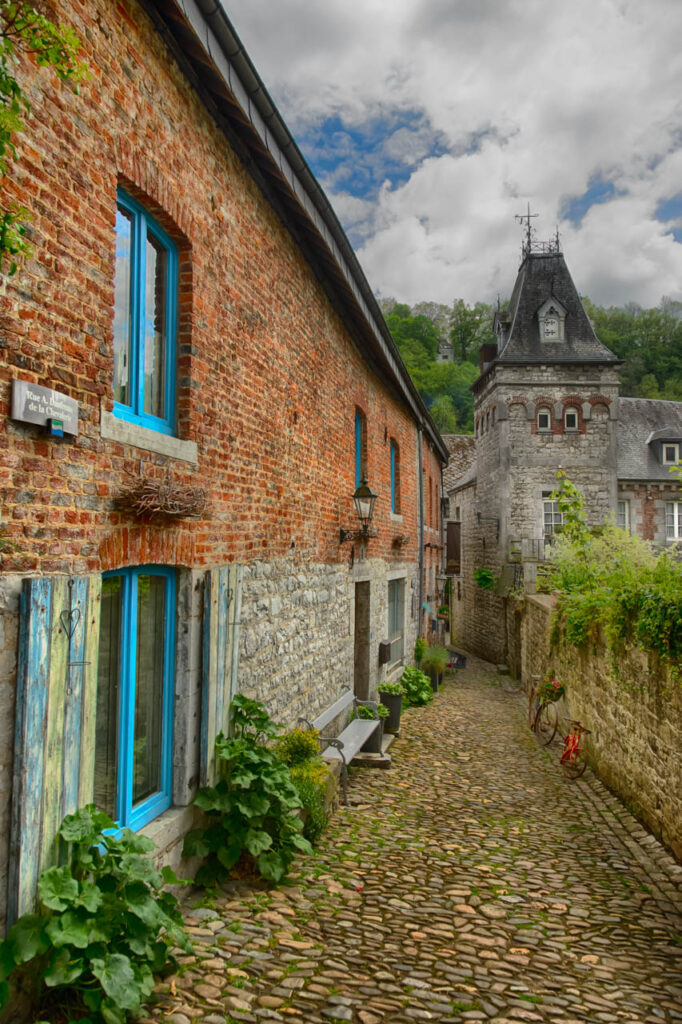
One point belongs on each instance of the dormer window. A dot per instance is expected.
(571, 419)
(544, 419)
(671, 454)
(551, 321)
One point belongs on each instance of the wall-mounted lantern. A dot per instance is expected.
(364, 499)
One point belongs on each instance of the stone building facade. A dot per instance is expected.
(194, 303)
(547, 399)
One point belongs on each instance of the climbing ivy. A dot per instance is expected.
(24, 29)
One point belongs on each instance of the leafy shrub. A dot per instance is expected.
(614, 582)
(396, 688)
(369, 713)
(310, 779)
(417, 686)
(298, 746)
(106, 926)
(251, 809)
(419, 648)
(484, 578)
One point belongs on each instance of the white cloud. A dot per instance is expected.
(533, 101)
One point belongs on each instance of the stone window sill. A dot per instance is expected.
(114, 429)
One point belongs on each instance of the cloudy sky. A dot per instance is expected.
(431, 123)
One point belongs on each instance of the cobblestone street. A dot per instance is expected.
(471, 882)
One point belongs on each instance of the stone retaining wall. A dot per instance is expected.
(636, 720)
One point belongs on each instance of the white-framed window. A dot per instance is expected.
(396, 618)
(671, 454)
(544, 419)
(571, 418)
(551, 516)
(673, 520)
(623, 515)
(134, 713)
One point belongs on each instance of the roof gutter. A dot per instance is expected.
(226, 54)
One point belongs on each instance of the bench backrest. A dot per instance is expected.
(344, 702)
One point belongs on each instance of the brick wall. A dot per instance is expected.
(268, 376)
(635, 744)
(268, 380)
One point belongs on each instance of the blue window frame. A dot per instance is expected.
(134, 718)
(359, 447)
(145, 319)
(395, 478)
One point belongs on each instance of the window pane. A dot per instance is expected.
(122, 307)
(155, 327)
(108, 676)
(151, 615)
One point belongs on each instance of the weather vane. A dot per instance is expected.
(528, 216)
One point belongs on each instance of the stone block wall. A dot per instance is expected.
(635, 745)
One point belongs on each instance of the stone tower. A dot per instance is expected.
(545, 399)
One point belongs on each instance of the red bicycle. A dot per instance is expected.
(573, 761)
(542, 714)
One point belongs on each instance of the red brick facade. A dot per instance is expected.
(268, 377)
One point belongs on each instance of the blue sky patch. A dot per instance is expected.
(358, 159)
(598, 191)
(671, 209)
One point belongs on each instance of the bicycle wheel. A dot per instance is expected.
(574, 767)
(546, 723)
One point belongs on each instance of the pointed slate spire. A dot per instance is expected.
(546, 322)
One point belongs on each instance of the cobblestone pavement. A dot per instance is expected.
(471, 882)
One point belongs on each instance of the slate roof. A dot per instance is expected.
(638, 419)
(462, 449)
(542, 277)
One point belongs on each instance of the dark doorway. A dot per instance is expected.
(361, 672)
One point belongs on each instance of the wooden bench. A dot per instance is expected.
(351, 740)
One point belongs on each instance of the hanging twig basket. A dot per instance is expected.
(150, 498)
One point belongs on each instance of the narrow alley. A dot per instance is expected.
(471, 882)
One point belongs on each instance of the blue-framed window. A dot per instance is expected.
(395, 477)
(360, 447)
(134, 724)
(145, 318)
(396, 618)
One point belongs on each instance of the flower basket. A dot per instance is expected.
(551, 689)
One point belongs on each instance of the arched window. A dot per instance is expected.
(395, 477)
(571, 421)
(360, 446)
(544, 419)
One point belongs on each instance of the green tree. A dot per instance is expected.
(444, 415)
(470, 327)
(24, 29)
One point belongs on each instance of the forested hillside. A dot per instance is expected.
(649, 341)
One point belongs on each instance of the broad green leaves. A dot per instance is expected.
(106, 926)
(252, 808)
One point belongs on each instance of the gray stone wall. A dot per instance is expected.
(635, 744)
(297, 631)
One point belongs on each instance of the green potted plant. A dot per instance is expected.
(419, 648)
(391, 697)
(368, 712)
(435, 661)
(417, 687)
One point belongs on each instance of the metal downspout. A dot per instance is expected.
(420, 589)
